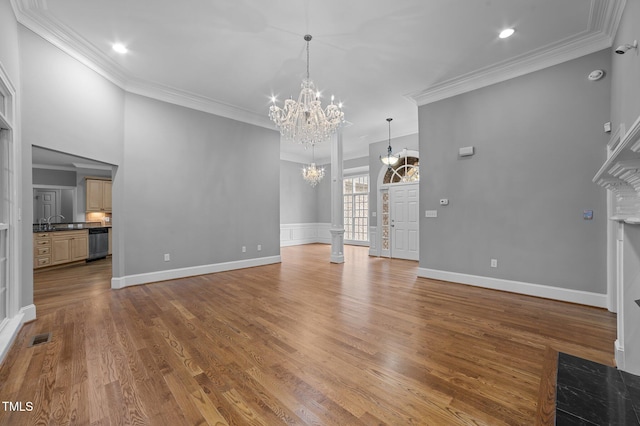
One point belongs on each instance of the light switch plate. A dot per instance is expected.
(466, 151)
(431, 213)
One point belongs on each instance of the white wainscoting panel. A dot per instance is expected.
(294, 234)
(373, 241)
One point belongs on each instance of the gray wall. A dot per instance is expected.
(54, 177)
(625, 108)
(299, 201)
(187, 183)
(9, 43)
(196, 186)
(355, 163)
(520, 199)
(68, 108)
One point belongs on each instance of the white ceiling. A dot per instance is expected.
(381, 58)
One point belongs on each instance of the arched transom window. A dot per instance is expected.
(407, 169)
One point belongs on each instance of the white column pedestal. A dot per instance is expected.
(337, 245)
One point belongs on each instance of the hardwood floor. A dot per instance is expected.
(302, 342)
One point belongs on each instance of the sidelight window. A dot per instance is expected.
(356, 208)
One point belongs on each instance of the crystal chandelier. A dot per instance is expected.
(389, 159)
(304, 121)
(311, 173)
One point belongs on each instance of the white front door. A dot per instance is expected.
(404, 221)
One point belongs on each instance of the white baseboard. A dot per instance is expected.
(294, 234)
(11, 326)
(619, 354)
(538, 290)
(172, 274)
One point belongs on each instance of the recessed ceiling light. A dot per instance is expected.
(120, 48)
(508, 32)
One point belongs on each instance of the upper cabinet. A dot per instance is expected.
(98, 195)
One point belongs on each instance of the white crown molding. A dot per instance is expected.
(74, 168)
(67, 40)
(52, 167)
(603, 24)
(73, 44)
(90, 166)
(197, 102)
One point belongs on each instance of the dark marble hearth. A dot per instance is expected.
(588, 393)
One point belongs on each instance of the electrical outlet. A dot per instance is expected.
(167, 257)
(259, 247)
(494, 263)
(244, 249)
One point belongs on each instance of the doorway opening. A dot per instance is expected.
(398, 203)
(63, 221)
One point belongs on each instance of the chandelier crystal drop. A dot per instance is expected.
(304, 121)
(390, 159)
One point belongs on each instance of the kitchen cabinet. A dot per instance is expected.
(98, 195)
(110, 233)
(69, 246)
(41, 250)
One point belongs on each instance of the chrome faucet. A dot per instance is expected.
(40, 227)
(49, 227)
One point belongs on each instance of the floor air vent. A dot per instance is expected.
(40, 339)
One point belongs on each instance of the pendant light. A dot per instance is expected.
(389, 159)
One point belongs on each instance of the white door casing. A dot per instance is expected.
(378, 248)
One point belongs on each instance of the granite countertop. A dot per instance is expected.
(61, 227)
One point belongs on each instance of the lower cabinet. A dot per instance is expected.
(41, 250)
(69, 246)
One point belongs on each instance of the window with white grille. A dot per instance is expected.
(356, 208)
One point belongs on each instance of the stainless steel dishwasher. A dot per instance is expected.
(98, 243)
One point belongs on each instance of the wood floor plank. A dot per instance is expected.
(302, 342)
